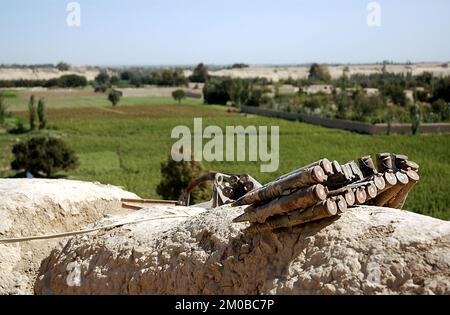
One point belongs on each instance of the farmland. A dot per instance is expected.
(125, 145)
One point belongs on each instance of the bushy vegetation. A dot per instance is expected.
(114, 97)
(176, 176)
(319, 73)
(238, 66)
(390, 103)
(178, 95)
(217, 91)
(43, 155)
(41, 113)
(161, 77)
(63, 66)
(200, 74)
(3, 110)
(32, 113)
(65, 81)
(250, 92)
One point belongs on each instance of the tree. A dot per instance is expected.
(32, 113)
(3, 110)
(217, 91)
(239, 65)
(389, 117)
(62, 66)
(415, 118)
(72, 80)
(257, 96)
(176, 176)
(178, 95)
(442, 90)
(43, 155)
(114, 97)
(102, 78)
(396, 93)
(441, 108)
(41, 113)
(200, 74)
(240, 92)
(319, 73)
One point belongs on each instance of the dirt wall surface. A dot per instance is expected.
(367, 250)
(30, 207)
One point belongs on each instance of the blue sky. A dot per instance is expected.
(154, 32)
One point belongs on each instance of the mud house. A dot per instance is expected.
(318, 88)
(371, 91)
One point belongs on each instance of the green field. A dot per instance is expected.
(125, 145)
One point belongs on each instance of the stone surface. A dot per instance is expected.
(366, 250)
(30, 207)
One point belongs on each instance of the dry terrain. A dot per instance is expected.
(44, 73)
(301, 72)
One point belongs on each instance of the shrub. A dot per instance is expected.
(178, 95)
(32, 113)
(114, 97)
(441, 108)
(176, 177)
(19, 129)
(43, 155)
(257, 96)
(100, 88)
(41, 113)
(240, 92)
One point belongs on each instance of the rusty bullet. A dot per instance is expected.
(341, 203)
(367, 166)
(228, 192)
(360, 195)
(325, 162)
(300, 199)
(306, 178)
(346, 192)
(371, 191)
(383, 198)
(384, 162)
(325, 209)
(379, 182)
(399, 200)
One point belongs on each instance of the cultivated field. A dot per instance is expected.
(125, 145)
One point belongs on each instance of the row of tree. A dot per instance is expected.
(65, 81)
